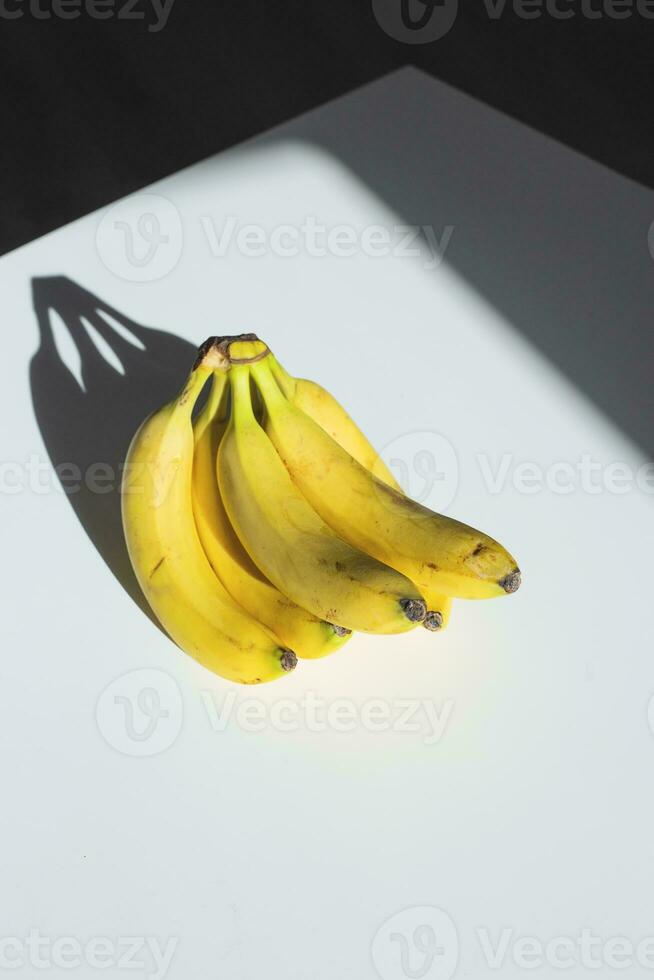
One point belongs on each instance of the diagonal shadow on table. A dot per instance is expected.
(559, 245)
(87, 428)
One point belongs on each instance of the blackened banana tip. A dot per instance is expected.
(221, 346)
(433, 620)
(511, 582)
(203, 350)
(288, 660)
(340, 630)
(415, 610)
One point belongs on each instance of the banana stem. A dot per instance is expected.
(268, 387)
(216, 398)
(286, 382)
(214, 352)
(247, 352)
(214, 404)
(242, 410)
(191, 390)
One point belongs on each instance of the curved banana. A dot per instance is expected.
(441, 555)
(167, 555)
(308, 636)
(316, 402)
(292, 546)
(330, 415)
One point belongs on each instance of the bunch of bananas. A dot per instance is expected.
(263, 526)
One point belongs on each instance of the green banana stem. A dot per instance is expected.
(286, 382)
(192, 388)
(214, 407)
(242, 409)
(266, 383)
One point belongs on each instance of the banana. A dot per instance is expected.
(441, 555)
(308, 636)
(330, 415)
(167, 555)
(316, 402)
(287, 540)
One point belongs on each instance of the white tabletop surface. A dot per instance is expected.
(305, 830)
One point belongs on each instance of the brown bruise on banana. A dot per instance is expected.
(488, 560)
(340, 630)
(186, 393)
(157, 566)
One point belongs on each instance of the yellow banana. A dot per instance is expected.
(167, 555)
(441, 555)
(291, 545)
(316, 402)
(308, 636)
(330, 415)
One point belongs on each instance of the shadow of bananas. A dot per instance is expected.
(87, 426)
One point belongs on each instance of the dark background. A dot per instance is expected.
(93, 109)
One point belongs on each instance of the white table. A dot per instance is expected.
(254, 834)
